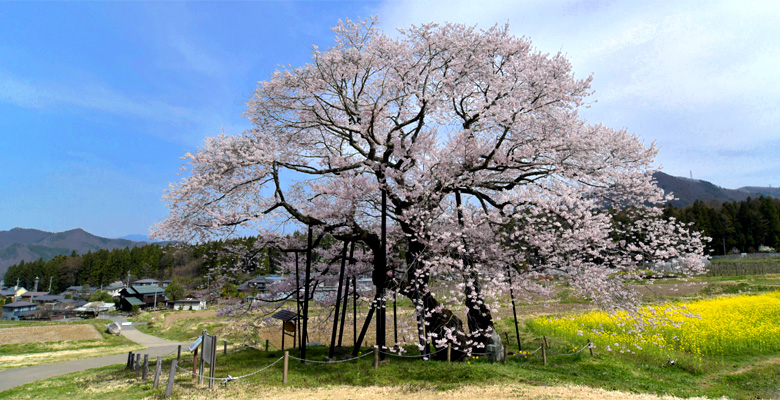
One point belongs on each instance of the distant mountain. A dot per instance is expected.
(138, 238)
(31, 244)
(687, 190)
(758, 191)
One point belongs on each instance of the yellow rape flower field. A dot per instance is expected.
(744, 325)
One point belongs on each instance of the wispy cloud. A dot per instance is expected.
(88, 96)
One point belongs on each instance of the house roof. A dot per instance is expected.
(146, 281)
(149, 289)
(12, 292)
(134, 301)
(114, 287)
(35, 294)
(18, 304)
(50, 297)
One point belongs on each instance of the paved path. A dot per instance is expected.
(155, 347)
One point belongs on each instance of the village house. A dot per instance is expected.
(19, 310)
(79, 292)
(29, 296)
(12, 293)
(188, 304)
(114, 289)
(260, 284)
(146, 282)
(147, 296)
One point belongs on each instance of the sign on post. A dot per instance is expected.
(195, 345)
(208, 348)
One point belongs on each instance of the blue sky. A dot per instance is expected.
(99, 100)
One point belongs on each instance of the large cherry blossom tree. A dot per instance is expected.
(473, 140)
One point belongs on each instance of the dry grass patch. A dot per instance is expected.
(52, 333)
(515, 391)
(26, 360)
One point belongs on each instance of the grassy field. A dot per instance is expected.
(737, 375)
(425, 378)
(27, 354)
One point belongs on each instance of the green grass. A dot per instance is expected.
(739, 379)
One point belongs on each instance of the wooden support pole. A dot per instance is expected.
(376, 358)
(339, 291)
(545, 342)
(224, 347)
(266, 345)
(195, 363)
(306, 294)
(590, 347)
(356, 348)
(505, 352)
(129, 360)
(145, 372)
(286, 364)
(178, 354)
(449, 352)
(171, 377)
(157, 372)
(138, 363)
(544, 353)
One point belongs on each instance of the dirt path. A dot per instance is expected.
(155, 347)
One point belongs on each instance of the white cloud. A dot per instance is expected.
(693, 76)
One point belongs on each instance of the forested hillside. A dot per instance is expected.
(185, 263)
(20, 244)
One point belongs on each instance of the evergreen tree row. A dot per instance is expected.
(735, 227)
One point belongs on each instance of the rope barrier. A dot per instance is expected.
(330, 362)
(231, 378)
(569, 354)
(416, 356)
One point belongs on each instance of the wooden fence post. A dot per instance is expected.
(138, 364)
(266, 345)
(590, 347)
(130, 358)
(505, 352)
(171, 377)
(157, 372)
(224, 347)
(178, 354)
(449, 352)
(286, 363)
(145, 369)
(544, 353)
(376, 358)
